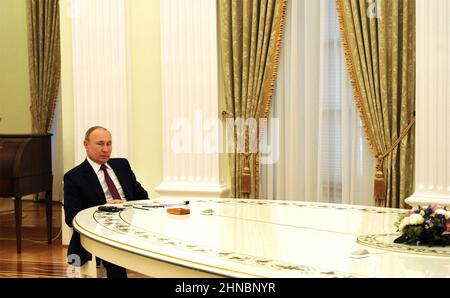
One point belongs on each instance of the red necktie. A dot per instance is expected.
(112, 188)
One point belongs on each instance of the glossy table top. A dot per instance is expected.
(262, 238)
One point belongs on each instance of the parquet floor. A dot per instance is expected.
(38, 258)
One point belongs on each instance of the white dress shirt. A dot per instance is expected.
(101, 178)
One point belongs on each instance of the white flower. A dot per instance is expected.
(440, 211)
(416, 219)
(447, 215)
(422, 213)
(403, 224)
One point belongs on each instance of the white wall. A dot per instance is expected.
(432, 104)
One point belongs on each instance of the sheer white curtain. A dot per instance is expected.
(323, 155)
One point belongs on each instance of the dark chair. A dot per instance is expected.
(26, 168)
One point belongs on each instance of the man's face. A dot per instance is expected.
(99, 146)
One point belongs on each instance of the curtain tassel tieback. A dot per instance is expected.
(245, 176)
(380, 183)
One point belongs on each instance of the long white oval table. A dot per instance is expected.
(257, 238)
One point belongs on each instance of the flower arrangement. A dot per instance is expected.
(424, 226)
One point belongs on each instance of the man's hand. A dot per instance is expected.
(112, 201)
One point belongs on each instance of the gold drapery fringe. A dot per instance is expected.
(269, 86)
(252, 159)
(357, 94)
(379, 181)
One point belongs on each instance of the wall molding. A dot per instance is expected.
(100, 80)
(432, 104)
(190, 99)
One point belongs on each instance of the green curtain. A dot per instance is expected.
(250, 35)
(44, 61)
(379, 40)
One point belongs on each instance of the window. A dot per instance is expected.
(323, 155)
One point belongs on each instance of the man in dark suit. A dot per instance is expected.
(96, 181)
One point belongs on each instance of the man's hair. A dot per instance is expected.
(90, 130)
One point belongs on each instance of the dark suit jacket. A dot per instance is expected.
(82, 190)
